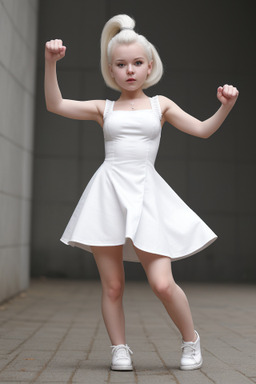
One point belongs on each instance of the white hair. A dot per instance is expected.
(120, 30)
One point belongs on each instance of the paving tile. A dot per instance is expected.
(56, 334)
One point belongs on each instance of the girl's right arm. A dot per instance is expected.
(81, 110)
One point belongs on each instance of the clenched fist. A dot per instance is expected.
(54, 50)
(227, 94)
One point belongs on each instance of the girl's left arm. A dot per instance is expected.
(173, 114)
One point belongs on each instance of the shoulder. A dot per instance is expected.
(165, 104)
(100, 106)
(93, 110)
(94, 106)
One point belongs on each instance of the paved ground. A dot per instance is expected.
(53, 333)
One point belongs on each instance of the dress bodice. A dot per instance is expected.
(132, 135)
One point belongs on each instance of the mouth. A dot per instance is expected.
(130, 80)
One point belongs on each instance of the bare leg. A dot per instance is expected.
(110, 265)
(159, 273)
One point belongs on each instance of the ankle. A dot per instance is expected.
(119, 342)
(195, 337)
(191, 339)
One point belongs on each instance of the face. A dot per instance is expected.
(130, 66)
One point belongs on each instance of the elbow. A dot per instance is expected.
(205, 135)
(51, 108)
(48, 108)
(203, 132)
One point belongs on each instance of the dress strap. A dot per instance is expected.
(108, 108)
(156, 106)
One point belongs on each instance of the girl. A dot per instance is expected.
(127, 211)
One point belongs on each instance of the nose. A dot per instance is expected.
(130, 68)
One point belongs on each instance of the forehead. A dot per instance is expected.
(128, 51)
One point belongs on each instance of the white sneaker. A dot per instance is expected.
(121, 359)
(191, 355)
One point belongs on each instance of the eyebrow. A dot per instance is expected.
(136, 58)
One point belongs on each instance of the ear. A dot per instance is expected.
(111, 71)
(150, 66)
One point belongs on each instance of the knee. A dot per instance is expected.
(114, 290)
(163, 289)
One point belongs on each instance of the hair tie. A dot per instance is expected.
(122, 29)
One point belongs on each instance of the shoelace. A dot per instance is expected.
(186, 349)
(121, 349)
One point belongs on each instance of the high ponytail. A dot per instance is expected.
(120, 29)
(110, 30)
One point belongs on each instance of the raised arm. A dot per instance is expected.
(81, 110)
(227, 95)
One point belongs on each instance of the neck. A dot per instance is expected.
(139, 94)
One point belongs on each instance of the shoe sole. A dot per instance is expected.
(121, 368)
(191, 367)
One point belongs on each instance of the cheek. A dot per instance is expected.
(115, 73)
(145, 73)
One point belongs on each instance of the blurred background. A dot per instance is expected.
(46, 160)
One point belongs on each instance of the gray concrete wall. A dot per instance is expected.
(202, 44)
(18, 38)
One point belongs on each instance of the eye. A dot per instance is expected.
(120, 65)
(138, 63)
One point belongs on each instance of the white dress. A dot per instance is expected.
(127, 201)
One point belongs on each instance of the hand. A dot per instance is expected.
(54, 50)
(227, 94)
